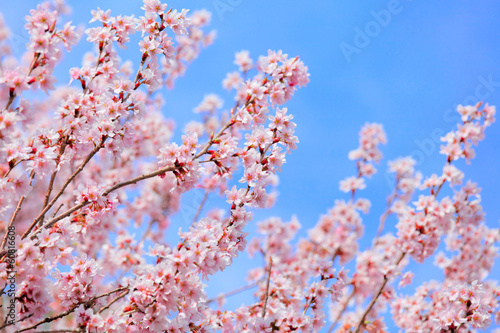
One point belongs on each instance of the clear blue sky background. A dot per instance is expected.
(409, 76)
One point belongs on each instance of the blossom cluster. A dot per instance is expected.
(91, 177)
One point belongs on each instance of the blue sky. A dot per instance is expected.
(408, 74)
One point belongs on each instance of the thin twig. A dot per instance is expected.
(12, 167)
(12, 95)
(139, 70)
(106, 193)
(97, 62)
(62, 331)
(62, 148)
(139, 178)
(148, 229)
(66, 183)
(10, 101)
(374, 299)
(60, 217)
(267, 287)
(14, 215)
(49, 189)
(213, 138)
(439, 187)
(57, 210)
(104, 308)
(8, 323)
(344, 307)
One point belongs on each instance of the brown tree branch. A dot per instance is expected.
(104, 308)
(374, 299)
(106, 193)
(66, 183)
